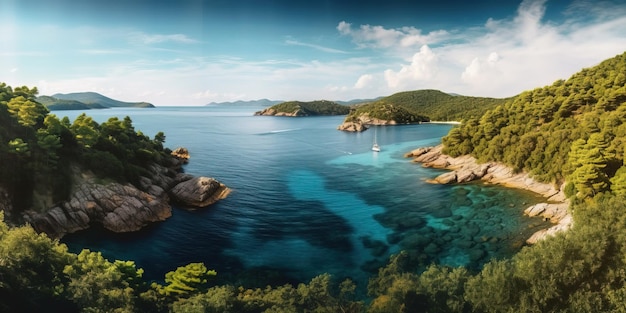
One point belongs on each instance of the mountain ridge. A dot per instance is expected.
(86, 100)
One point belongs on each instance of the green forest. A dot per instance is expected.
(570, 133)
(311, 108)
(40, 153)
(425, 105)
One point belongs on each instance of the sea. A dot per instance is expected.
(309, 199)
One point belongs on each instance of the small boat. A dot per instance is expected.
(375, 146)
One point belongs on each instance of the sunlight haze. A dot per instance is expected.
(202, 51)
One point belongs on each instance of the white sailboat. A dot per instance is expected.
(375, 146)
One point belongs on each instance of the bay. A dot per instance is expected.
(309, 199)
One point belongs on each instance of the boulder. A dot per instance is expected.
(352, 127)
(445, 178)
(417, 152)
(181, 154)
(198, 192)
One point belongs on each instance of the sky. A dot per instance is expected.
(194, 52)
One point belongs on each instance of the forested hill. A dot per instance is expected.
(440, 106)
(424, 105)
(573, 130)
(299, 108)
(85, 100)
(38, 150)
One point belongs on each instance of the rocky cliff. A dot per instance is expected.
(272, 112)
(125, 207)
(466, 168)
(360, 123)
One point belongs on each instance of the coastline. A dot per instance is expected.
(466, 168)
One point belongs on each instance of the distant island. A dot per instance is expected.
(417, 106)
(312, 108)
(86, 101)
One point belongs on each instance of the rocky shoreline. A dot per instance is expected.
(466, 168)
(125, 207)
(272, 112)
(363, 122)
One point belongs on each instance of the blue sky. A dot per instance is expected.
(200, 51)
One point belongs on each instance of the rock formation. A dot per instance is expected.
(361, 123)
(125, 207)
(181, 154)
(352, 127)
(198, 192)
(465, 169)
(272, 112)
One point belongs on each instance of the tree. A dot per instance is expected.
(186, 280)
(85, 130)
(28, 112)
(98, 285)
(31, 271)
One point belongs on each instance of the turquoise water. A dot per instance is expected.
(309, 199)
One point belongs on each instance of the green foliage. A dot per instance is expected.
(316, 296)
(572, 130)
(386, 111)
(97, 285)
(186, 280)
(320, 107)
(31, 267)
(426, 105)
(39, 151)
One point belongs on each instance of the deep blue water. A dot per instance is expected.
(309, 199)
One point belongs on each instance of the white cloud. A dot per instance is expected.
(503, 57)
(364, 81)
(160, 38)
(204, 95)
(380, 37)
(314, 46)
(480, 71)
(423, 67)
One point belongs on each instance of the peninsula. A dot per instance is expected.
(86, 101)
(312, 108)
(61, 176)
(418, 106)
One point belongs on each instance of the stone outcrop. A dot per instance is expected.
(125, 207)
(181, 154)
(272, 112)
(119, 208)
(466, 168)
(361, 123)
(199, 192)
(352, 127)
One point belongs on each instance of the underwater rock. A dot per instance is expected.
(442, 213)
(377, 247)
(466, 168)
(475, 255)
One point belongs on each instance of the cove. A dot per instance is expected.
(308, 199)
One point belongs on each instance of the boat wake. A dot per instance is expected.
(278, 131)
